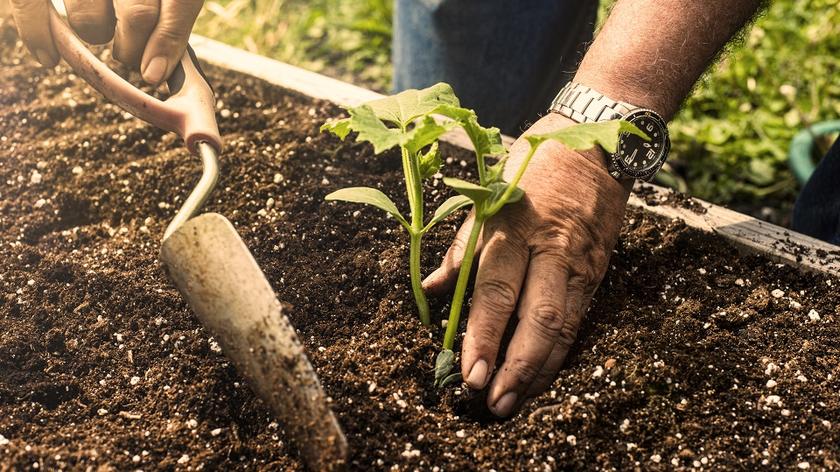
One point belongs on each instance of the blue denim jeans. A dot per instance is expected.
(505, 59)
(817, 210)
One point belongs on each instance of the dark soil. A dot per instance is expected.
(692, 355)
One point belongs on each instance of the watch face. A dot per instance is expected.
(635, 156)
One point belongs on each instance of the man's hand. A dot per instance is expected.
(542, 259)
(148, 34)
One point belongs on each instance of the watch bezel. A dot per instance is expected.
(647, 174)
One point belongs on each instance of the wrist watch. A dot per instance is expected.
(635, 157)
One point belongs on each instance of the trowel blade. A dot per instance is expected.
(230, 295)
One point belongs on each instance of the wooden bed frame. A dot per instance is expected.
(748, 233)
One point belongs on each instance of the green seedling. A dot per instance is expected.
(492, 193)
(406, 120)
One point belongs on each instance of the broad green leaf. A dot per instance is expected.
(363, 121)
(424, 133)
(340, 128)
(430, 162)
(486, 141)
(405, 107)
(446, 208)
(476, 193)
(368, 196)
(588, 135)
(443, 366)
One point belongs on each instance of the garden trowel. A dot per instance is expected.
(212, 267)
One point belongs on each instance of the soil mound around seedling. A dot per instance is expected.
(692, 355)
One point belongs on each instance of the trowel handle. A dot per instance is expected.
(189, 111)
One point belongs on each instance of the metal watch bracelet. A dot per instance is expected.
(584, 105)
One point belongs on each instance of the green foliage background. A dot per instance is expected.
(729, 142)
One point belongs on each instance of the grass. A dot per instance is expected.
(730, 140)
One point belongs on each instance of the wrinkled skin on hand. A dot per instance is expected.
(541, 260)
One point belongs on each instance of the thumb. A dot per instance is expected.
(168, 40)
(443, 279)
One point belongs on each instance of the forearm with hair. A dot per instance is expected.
(651, 52)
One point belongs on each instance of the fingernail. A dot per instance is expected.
(504, 406)
(155, 69)
(478, 375)
(44, 58)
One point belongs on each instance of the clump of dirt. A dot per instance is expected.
(692, 355)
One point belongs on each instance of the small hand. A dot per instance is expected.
(148, 34)
(542, 258)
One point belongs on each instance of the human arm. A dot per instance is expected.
(150, 35)
(544, 257)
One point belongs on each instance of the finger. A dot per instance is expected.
(92, 20)
(542, 324)
(443, 279)
(136, 19)
(168, 40)
(575, 291)
(501, 271)
(33, 24)
(549, 370)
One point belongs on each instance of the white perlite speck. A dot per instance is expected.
(656, 458)
(803, 465)
(771, 369)
(77, 170)
(184, 459)
(3, 440)
(460, 433)
(599, 371)
(813, 315)
(134, 380)
(771, 383)
(777, 293)
(571, 439)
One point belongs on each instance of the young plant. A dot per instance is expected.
(492, 193)
(405, 120)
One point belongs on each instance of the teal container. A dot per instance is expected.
(799, 155)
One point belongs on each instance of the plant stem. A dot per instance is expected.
(415, 202)
(463, 279)
(416, 280)
(513, 183)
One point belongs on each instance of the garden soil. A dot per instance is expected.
(692, 356)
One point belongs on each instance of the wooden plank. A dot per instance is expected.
(743, 230)
(778, 243)
(297, 79)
